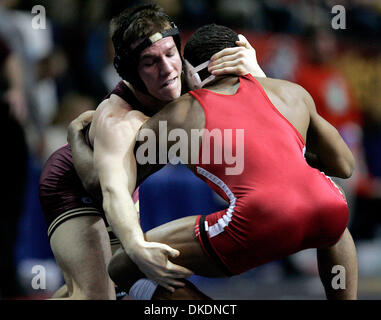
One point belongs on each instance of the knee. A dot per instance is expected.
(112, 270)
(92, 289)
(117, 267)
(123, 272)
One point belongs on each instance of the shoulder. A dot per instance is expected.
(115, 110)
(114, 105)
(116, 118)
(289, 92)
(177, 111)
(284, 88)
(185, 100)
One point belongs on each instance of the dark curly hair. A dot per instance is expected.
(208, 40)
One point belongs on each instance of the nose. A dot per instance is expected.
(165, 67)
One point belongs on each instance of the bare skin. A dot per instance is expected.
(117, 170)
(297, 106)
(112, 133)
(89, 279)
(85, 229)
(343, 251)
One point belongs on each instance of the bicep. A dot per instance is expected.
(111, 170)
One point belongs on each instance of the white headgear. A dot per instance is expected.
(192, 77)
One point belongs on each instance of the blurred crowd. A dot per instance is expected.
(49, 75)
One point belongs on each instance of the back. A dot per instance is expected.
(257, 164)
(255, 136)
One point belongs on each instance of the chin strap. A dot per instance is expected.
(192, 76)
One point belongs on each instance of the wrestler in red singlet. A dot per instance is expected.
(279, 205)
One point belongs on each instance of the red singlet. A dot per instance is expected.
(278, 205)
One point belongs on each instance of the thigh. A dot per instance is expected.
(179, 234)
(81, 246)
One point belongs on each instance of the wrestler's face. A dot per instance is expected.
(160, 69)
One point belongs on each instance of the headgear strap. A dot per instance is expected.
(125, 60)
(154, 38)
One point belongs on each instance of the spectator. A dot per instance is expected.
(16, 154)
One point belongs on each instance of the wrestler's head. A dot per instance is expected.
(201, 46)
(147, 45)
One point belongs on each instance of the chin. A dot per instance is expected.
(169, 96)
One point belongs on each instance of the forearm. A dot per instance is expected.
(123, 218)
(333, 155)
(336, 160)
(83, 162)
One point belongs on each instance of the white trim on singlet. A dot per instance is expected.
(218, 227)
(334, 184)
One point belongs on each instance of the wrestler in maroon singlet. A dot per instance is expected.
(61, 192)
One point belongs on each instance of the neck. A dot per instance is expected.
(150, 103)
(221, 81)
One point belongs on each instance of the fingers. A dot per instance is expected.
(166, 286)
(234, 69)
(86, 116)
(220, 64)
(81, 121)
(163, 271)
(170, 283)
(177, 271)
(235, 57)
(174, 269)
(173, 253)
(225, 52)
(243, 42)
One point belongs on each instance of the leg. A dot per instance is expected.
(343, 253)
(82, 249)
(60, 293)
(179, 235)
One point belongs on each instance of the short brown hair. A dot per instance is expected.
(137, 23)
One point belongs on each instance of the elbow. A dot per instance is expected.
(347, 173)
(351, 166)
(347, 168)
